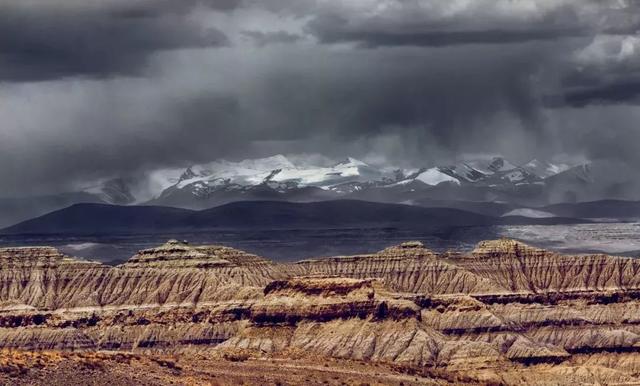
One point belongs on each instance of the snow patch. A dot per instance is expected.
(531, 213)
(544, 169)
(434, 177)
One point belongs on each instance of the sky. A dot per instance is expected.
(101, 88)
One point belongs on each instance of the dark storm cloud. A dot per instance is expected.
(265, 38)
(429, 23)
(405, 91)
(67, 39)
(335, 29)
(130, 85)
(117, 137)
(607, 71)
(626, 91)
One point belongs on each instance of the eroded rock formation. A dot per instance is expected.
(505, 312)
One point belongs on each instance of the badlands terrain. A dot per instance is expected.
(503, 313)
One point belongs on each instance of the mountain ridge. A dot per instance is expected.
(105, 219)
(277, 178)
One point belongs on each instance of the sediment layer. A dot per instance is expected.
(505, 312)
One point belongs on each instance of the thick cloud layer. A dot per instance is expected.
(48, 40)
(93, 89)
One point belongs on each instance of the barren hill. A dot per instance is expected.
(102, 219)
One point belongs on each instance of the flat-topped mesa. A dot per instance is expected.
(177, 254)
(410, 250)
(506, 248)
(36, 256)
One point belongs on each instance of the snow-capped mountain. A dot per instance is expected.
(274, 177)
(277, 172)
(463, 172)
(432, 177)
(278, 177)
(544, 169)
(114, 191)
(491, 165)
(485, 180)
(498, 171)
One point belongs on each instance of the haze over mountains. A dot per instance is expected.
(475, 184)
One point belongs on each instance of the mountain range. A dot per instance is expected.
(202, 186)
(482, 183)
(494, 179)
(102, 219)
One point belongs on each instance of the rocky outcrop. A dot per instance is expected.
(177, 254)
(502, 313)
(172, 274)
(43, 277)
(518, 267)
(349, 318)
(409, 267)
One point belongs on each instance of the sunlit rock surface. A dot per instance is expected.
(505, 312)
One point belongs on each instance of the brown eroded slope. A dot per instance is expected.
(174, 273)
(518, 267)
(505, 313)
(408, 267)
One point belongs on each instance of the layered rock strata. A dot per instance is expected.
(505, 312)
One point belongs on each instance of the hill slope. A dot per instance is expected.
(597, 209)
(109, 219)
(505, 313)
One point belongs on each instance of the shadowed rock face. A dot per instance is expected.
(505, 312)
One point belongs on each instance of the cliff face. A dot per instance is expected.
(408, 267)
(172, 274)
(519, 267)
(42, 277)
(349, 318)
(505, 313)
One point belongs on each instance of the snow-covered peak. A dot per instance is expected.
(349, 170)
(463, 172)
(544, 169)
(276, 171)
(491, 166)
(434, 177)
(349, 161)
(113, 191)
(499, 164)
(246, 166)
(278, 161)
(245, 172)
(431, 177)
(280, 173)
